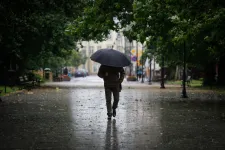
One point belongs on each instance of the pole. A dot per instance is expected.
(142, 68)
(89, 61)
(184, 93)
(137, 58)
(5, 78)
(154, 67)
(131, 46)
(162, 74)
(125, 45)
(150, 72)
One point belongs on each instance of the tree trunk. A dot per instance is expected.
(209, 74)
(221, 72)
(162, 74)
(43, 71)
(177, 72)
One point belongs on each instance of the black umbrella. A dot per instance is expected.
(110, 57)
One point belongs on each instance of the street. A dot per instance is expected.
(72, 115)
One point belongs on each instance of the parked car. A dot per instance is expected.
(86, 72)
(80, 73)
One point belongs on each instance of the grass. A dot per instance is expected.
(193, 83)
(197, 84)
(8, 90)
(216, 89)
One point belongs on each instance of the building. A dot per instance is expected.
(115, 40)
(155, 69)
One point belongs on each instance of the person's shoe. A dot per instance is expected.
(114, 112)
(109, 116)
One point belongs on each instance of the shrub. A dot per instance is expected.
(201, 79)
(131, 78)
(39, 77)
(32, 76)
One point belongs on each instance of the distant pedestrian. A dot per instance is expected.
(69, 74)
(113, 77)
(65, 71)
(139, 74)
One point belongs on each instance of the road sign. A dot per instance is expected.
(133, 58)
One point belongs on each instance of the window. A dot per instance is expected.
(109, 46)
(95, 68)
(99, 47)
(119, 37)
(84, 48)
(91, 50)
(129, 47)
(119, 48)
(83, 52)
(109, 37)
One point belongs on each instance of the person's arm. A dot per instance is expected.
(122, 74)
(100, 72)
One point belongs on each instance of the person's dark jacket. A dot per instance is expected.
(112, 76)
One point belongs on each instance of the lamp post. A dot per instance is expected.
(137, 58)
(89, 61)
(131, 45)
(184, 93)
(5, 78)
(142, 68)
(150, 70)
(162, 74)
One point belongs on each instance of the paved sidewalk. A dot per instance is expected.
(75, 118)
(96, 82)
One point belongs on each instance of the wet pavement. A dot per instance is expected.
(96, 82)
(147, 118)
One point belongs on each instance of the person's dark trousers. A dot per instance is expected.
(108, 94)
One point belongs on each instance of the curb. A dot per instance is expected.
(125, 86)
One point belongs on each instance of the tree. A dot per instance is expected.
(165, 24)
(99, 17)
(35, 29)
(76, 59)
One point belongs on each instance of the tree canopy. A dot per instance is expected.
(34, 30)
(40, 29)
(163, 24)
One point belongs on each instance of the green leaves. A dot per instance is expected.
(53, 27)
(35, 28)
(99, 17)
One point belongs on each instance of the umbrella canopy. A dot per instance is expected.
(47, 69)
(110, 57)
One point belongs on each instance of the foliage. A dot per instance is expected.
(74, 58)
(170, 26)
(35, 30)
(99, 17)
(8, 90)
(131, 78)
(38, 77)
(77, 59)
(195, 83)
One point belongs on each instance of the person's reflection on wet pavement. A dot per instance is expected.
(111, 139)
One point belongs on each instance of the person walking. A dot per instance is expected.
(113, 77)
(111, 70)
